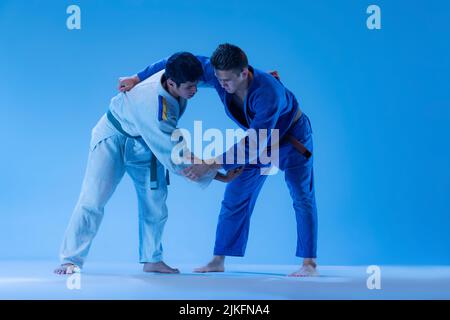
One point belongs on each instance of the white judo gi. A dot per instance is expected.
(137, 129)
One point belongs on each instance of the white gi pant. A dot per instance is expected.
(111, 155)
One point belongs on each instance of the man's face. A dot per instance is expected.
(186, 90)
(231, 80)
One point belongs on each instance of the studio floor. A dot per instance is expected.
(35, 280)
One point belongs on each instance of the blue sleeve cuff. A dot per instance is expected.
(142, 76)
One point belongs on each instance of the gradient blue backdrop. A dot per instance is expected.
(379, 102)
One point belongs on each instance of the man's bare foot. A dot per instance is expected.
(159, 267)
(305, 271)
(67, 268)
(309, 269)
(217, 264)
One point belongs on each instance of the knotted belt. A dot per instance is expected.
(300, 147)
(153, 161)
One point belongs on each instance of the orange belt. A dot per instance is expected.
(300, 147)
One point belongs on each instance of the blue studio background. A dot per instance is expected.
(379, 102)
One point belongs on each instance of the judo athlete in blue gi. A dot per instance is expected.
(256, 100)
(134, 137)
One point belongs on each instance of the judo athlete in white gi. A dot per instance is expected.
(134, 137)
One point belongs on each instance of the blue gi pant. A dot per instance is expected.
(241, 194)
(111, 155)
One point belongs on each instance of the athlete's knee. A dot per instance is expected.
(153, 216)
(305, 203)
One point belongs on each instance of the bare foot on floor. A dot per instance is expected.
(67, 268)
(159, 267)
(216, 265)
(305, 271)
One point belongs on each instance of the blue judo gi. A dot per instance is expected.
(268, 105)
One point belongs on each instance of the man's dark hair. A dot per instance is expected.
(183, 67)
(229, 57)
